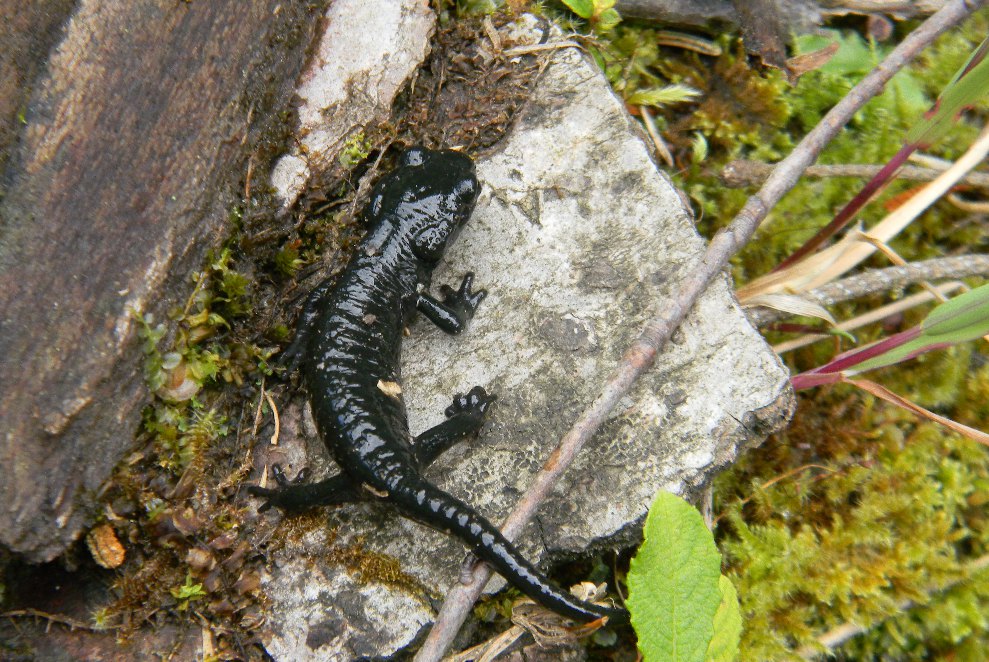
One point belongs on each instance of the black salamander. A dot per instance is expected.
(348, 346)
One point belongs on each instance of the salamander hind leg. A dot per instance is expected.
(297, 495)
(464, 418)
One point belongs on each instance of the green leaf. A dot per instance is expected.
(583, 8)
(958, 320)
(971, 82)
(607, 20)
(673, 583)
(853, 56)
(727, 625)
(188, 591)
(962, 318)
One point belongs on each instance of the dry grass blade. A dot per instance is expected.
(830, 263)
(877, 281)
(490, 649)
(884, 393)
(870, 317)
(792, 304)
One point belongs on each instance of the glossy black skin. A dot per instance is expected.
(349, 343)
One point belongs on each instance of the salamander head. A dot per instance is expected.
(431, 194)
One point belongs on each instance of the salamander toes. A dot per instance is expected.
(475, 403)
(263, 493)
(463, 298)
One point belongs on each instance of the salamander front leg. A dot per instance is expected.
(457, 307)
(296, 495)
(464, 418)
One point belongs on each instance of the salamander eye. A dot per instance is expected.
(466, 192)
(414, 156)
(466, 188)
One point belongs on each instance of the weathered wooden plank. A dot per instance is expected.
(117, 184)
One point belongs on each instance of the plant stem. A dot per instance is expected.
(742, 173)
(658, 331)
(876, 281)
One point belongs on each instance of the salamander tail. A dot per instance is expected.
(419, 500)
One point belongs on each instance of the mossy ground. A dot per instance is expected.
(856, 510)
(859, 509)
(195, 546)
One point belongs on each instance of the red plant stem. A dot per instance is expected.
(658, 331)
(844, 217)
(854, 357)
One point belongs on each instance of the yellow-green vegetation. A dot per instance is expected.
(852, 513)
(859, 513)
(355, 149)
(287, 260)
(181, 424)
(188, 592)
(599, 14)
(374, 567)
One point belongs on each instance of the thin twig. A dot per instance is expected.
(842, 633)
(67, 621)
(536, 48)
(686, 41)
(742, 173)
(877, 281)
(657, 332)
(661, 149)
(903, 8)
(898, 261)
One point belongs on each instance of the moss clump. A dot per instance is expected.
(856, 510)
(859, 508)
(375, 567)
(180, 424)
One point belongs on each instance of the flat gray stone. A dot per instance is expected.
(578, 239)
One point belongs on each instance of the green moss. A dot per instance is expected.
(883, 516)
(859, 507)
(188, 592)
(287, 260)
(181, 426)
(355, 149)
(182, 436)
(855, 510)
